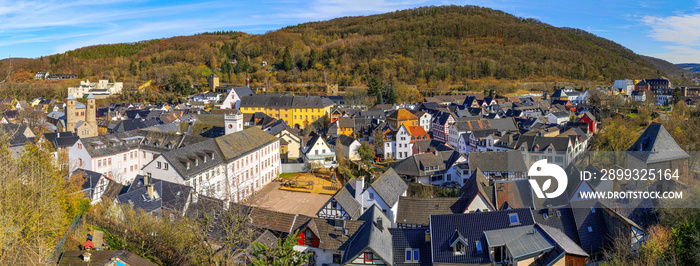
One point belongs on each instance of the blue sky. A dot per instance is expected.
(32, 28)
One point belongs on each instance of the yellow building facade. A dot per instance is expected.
(296, 111)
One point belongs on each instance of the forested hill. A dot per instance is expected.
(428, 46)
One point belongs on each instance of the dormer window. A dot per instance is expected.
(459, 248)
(308, 237)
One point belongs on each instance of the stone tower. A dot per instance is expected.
(213, 82)
(71, 114)
(91, 114)
(233, 122)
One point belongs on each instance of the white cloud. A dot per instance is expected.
(679, 54)
(680, 30)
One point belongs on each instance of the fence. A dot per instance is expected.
(294, 167)
(53, 259)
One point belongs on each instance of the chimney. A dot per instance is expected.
(427, 235)
(145, 180)
(150, 191)
(359, 187)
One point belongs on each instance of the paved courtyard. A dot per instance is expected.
(272, 198)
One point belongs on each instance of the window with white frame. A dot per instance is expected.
(412, 255)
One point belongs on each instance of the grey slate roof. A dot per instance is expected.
(522, 242)
(89, 181)
(584, 218)
(561, 218)
(171, 196)
(346, 199)
(503, 124)
(472, 227)
(371, 236)
(560, 144)
(345, 140)
(417, 165)
(14, 133)
(563, 199)
(563, 241)
(402, 239)
(242, 91)
(656, 145)
(475, 185)
(241, 143)
(110, 144)
(389, 186)
(559, 93)
(276, 127)
(346, 122)
(497, 161)
(198, 155)
(560, 114)
(431, 144)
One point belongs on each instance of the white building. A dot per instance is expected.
(101, 89)
(558, 118)
(230, 168)
(626, 86)
(425, 120)
(348, 146)
(317, 151)
(42, 75)
(121, 156)
(233, 98)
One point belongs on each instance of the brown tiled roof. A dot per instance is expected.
(418, 210)
(330, 236)
(402, 114)
(516, 193)
(272, 220)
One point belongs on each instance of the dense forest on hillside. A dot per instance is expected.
(429, 47)
(673, 71)
(691, 67)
